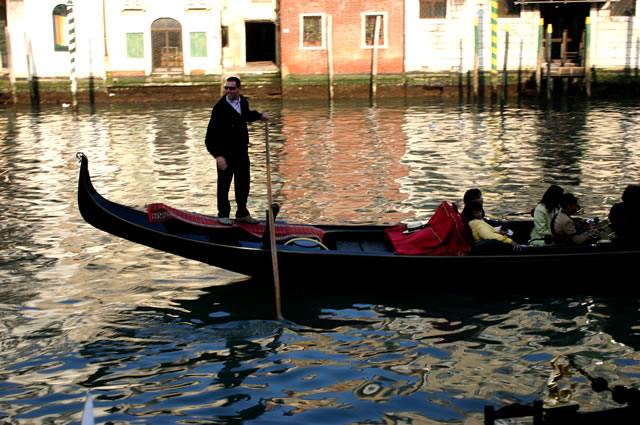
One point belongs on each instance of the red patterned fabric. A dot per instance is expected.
(159, 213)
(445, 234)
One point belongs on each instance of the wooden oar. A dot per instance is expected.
(272, 225)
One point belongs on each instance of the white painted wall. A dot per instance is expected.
(30, 25)
(445, 45)
(119, 22)
(617, 39)
(441, 45)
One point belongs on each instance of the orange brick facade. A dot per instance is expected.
(349, 54)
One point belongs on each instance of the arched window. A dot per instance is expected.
(166, 45)
(60, 28)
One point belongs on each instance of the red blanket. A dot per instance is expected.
(159, 213)
(445, 234)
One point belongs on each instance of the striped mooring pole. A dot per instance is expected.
(71, 23)
(494, 45)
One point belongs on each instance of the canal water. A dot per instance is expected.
(158, 339)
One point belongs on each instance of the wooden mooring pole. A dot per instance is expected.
(32, 79)
(374, 59)
(504, 66)
(549, 83)
(476, 52)
(12, 75)
(539, 59)
(587, 58)
(330, 54)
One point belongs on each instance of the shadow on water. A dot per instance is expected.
(463, 315)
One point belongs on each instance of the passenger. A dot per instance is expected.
(474, 195)
(471, 195)
(565, 230)
(624, 217)
(483, 233)
(548, 207)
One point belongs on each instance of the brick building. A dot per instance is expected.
(318, 34)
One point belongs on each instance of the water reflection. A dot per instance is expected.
(162, 339)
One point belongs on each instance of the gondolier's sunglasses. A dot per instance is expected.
(229, 88)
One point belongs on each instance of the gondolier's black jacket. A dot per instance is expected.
(227, 133)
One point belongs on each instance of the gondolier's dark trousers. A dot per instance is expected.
(238, 170)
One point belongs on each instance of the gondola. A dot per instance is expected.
(355, 257)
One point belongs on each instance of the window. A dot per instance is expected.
(198, 41)
(135, 45)
(60, 28)
(508, 9)
(311, 33)
(369, 29)
(433, 9)
(623, 8)
(224, 33)
(166, 45)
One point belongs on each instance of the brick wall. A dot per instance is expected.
(349, 55)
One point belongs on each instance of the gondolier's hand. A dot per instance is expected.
(265, 116)
(221, 163)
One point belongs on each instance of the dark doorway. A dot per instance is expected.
(569, 20)
(261, 41)
(166, 45)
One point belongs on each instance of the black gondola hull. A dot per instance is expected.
(585, 269)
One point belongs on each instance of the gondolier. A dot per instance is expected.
(227, 140)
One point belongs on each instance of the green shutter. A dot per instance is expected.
(135, 45)
(198, 41)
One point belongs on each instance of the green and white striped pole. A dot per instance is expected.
(71, 23)
(494, 46)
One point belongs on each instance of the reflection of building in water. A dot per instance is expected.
(342, 164)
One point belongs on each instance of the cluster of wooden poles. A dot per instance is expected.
(543, 58)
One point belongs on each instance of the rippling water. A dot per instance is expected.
(163, 340)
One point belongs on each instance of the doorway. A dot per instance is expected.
(166, 46)
(261, 41)
(568, 24)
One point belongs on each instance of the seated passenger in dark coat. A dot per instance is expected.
(568, 231)
(624, 217)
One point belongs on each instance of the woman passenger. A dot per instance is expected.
(483, 233)
(544, 212)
